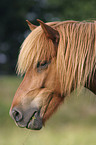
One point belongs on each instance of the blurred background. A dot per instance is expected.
(75, 121)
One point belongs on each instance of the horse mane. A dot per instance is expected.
(76, 55)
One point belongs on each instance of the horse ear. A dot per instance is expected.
(49, 31)
(31, 26)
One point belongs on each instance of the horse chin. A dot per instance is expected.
(35, 123)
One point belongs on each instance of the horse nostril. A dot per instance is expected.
(16, 115)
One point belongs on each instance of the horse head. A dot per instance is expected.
(38, 96)
(56, 57)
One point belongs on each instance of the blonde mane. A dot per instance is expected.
(76, 55)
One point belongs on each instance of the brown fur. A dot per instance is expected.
(72, 64)
(76, 56)
(55, 101)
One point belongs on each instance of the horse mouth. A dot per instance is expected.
(35, 122)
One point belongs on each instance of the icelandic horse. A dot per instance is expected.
(56, 58)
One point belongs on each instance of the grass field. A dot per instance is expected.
(73, 124)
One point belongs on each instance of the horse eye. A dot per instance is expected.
(42, 66)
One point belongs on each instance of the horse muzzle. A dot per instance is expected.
(29, 118)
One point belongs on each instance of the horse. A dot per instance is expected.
(55, 59)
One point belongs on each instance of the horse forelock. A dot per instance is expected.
(76, 55)
(36, 47)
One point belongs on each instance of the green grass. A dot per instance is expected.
(73, 124)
